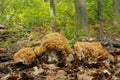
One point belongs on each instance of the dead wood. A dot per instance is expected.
(115, 44)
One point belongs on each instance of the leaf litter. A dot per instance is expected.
(82, 67)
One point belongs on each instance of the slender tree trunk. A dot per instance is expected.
(52, 8)
(100, 19)
(52, 14)
(116, 4)
(100, 10)
(81, 15)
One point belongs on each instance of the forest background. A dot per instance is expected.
(31, 19)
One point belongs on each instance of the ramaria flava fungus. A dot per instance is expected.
(93, 49)
(53, 41)
(24, 55)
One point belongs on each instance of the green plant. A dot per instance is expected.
(7, 43)
(70, 35)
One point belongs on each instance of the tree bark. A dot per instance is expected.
(45, 0)
(116, 4)
(100, 19)
(100, 10)
(81, 15)
(52, 8)
(52, 14)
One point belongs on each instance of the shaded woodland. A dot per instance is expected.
(59, 40)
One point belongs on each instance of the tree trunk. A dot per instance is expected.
(81, 15)
(100, 19)
(116, 4)
(52, 14)
(45, 0)
(100, 10)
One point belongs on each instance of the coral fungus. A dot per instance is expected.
(25, 55)
(93, 49)
(53, 41)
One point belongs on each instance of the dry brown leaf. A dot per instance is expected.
(37, 70)
(50, 66)
(84, 77)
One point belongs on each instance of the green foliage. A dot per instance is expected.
(36, 13)
(33, 12)
(92, 7)
(108, 11)
(92, 11)
(7, 43)
(70, 35)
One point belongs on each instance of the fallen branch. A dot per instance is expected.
(115, 44)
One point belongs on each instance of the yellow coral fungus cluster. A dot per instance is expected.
(49, 43)
(58, 43)
(24, 55)
(94, 49)
(53, 41)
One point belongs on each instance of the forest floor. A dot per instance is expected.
(78, 70)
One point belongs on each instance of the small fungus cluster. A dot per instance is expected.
(90, 49)
(25, 55)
